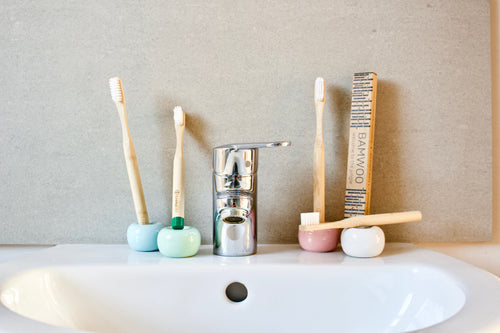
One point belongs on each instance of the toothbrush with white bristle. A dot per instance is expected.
(178, 172)
(319, 151)
(307, 219)
(115, 85)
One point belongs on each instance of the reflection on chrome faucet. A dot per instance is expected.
(235, 198)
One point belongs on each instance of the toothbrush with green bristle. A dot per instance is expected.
(178, 172)
(179, 240)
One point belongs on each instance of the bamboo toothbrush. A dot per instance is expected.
(178, 241)
(178, 172)
(319, 151)
(323, 240)
(134, 178)
(366, 220)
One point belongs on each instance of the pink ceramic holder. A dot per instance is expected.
(319, 240)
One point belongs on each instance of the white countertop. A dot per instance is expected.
(482, 255)
(9, 252)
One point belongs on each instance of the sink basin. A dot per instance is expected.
(109, 288)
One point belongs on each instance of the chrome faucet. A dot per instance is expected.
(235, 197)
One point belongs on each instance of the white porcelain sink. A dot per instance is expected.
(109, 288)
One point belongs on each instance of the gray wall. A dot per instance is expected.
(243, 71)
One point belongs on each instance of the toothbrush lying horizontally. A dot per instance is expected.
(366, 221)
(118, 97)
(178, 178)
(319, 151)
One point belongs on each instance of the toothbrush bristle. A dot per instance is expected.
(309, 218)
(178, 116)
(115, 85)
(319, 90)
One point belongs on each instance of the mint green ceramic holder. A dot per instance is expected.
(179, 242)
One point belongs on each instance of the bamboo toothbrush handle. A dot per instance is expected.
(389, 218)
(366, 220)
(178, 176)
(132, 168)
(319, 164)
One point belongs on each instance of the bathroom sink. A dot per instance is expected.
(110, 288)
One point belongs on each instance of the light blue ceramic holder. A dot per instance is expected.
(179, 243)
(143, 237)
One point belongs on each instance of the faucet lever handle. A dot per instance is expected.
(240, 158)
(256, 145)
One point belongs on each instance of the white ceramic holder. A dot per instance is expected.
(363, 242)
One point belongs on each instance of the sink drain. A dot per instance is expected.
(236, 292)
